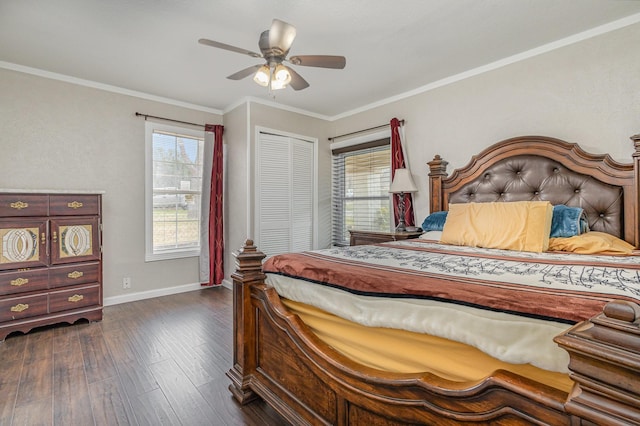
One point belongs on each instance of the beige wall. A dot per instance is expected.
(235, 196)
(587, 93)
(56, 135)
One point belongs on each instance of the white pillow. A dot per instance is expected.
(431, 236)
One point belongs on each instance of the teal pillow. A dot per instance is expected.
(434, 222)
(568, 221)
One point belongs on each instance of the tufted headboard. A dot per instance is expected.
(541, 168)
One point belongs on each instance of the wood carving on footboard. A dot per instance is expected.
(277, 358)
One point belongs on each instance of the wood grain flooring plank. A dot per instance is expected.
(146, 345)
(110, 403)
(7, 402)
(68, 374)
(97, 359)
(136, 378)
(13, 347)
(36, 379)
(34, 413)
(185, 399)
(258, 413)
(196, 369)
(72, 408)
(153, 409)
(65, 339)
(10, 373)
(39, 345)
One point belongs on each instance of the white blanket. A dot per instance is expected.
(510, 338)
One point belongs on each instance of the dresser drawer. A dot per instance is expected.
(65, 300)
(81, 273)
(14, 308)
(23, 281)
(21, 205)
(74, 205)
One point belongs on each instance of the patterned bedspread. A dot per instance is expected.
(555, 286)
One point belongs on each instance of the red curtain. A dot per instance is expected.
(397, 162)
(216, 230)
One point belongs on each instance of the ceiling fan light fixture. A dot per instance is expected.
(263, 76)
(281, 73)
(277, 84)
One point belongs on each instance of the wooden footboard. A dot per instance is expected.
(277, 358)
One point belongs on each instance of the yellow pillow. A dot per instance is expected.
(519, 225)
(591, 243)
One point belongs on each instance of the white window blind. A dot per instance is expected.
(360, 193)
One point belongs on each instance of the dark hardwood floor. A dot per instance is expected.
(154, 362)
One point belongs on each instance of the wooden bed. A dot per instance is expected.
(277, 358)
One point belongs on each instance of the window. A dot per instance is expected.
(361, 178)
(173, 189)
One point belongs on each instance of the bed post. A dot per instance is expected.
(605, 366)
(437, 172)
(248, 272)
(636, 187)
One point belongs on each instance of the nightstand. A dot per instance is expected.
(372, 237)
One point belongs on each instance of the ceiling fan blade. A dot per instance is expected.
(297, 82)
(281, 35)
(322, 61)
(219, 45)
(244, 73)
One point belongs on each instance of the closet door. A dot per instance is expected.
(284, 194)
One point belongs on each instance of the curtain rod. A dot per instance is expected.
(364, 130)
(167, 119)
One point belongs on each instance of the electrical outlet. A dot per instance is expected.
(126, 282)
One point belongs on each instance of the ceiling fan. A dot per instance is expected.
(274, 46)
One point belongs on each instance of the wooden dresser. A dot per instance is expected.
(374, 237)
(50, 259)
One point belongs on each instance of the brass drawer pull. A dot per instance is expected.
(75, 274)
(19, 281)
(55, 236)
(19, 205)
(74, 205)
(76, 298)
(20, 307)
(43, 238)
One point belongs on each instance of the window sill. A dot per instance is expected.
(152, 257)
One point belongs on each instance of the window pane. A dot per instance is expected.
(361, 192)
(177, 185)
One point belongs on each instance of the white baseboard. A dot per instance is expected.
(227, 284)
(141, 295)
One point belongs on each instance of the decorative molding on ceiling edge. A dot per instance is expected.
(253, 99)
(105, 87)
(593, 32)
(585, 35)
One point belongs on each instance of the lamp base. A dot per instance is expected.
(401, 227)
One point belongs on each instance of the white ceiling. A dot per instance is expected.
(392, 47)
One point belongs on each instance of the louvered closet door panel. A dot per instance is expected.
(302, 195)
(274, 185)
(285, 194)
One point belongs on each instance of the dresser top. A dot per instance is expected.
(52, 191)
